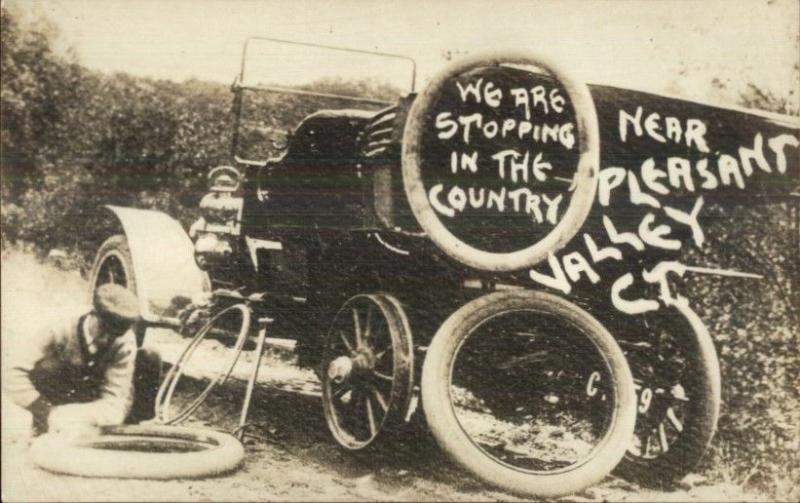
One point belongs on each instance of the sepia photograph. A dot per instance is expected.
(519, 250)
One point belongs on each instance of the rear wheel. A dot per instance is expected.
(503, 389)
(677, 376)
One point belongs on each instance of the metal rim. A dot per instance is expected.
(170, 382)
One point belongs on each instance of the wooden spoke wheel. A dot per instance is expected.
(678, 400)
(114, 264)
(367, 369)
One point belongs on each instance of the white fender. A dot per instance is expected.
(163, 260)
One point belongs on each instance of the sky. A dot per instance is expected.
(675, 47)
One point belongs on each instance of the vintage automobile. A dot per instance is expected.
(403, 244)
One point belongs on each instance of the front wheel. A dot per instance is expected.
(113, 264)
(367, 370)
(503, 390)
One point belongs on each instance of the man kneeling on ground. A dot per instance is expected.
(87, 371)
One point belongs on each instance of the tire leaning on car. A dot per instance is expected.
(438, 401)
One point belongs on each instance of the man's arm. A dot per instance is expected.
(116, 396)
(24, 355)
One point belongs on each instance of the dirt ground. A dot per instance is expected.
(290, 456)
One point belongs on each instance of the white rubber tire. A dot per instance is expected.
(220, 453)
(446, 429)
(584, 185)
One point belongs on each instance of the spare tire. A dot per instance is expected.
(500, 158)
(502, 389)
(140, 452)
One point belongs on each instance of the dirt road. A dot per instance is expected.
(291, 456)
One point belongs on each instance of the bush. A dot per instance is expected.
(73, 139)
(755, 325)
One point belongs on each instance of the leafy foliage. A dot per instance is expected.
(756, 328)
(74, 139)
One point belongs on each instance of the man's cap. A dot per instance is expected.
(117, 302)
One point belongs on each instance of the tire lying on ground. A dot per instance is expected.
(140, 452)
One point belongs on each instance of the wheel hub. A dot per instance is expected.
(362, 363)
(339, 369)
(364, 360)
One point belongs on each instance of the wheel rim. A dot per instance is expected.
(540, 423)
(366, 370)
(186, 394)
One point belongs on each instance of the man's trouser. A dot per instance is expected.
(76, 385)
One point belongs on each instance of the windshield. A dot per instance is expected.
(281, 82)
